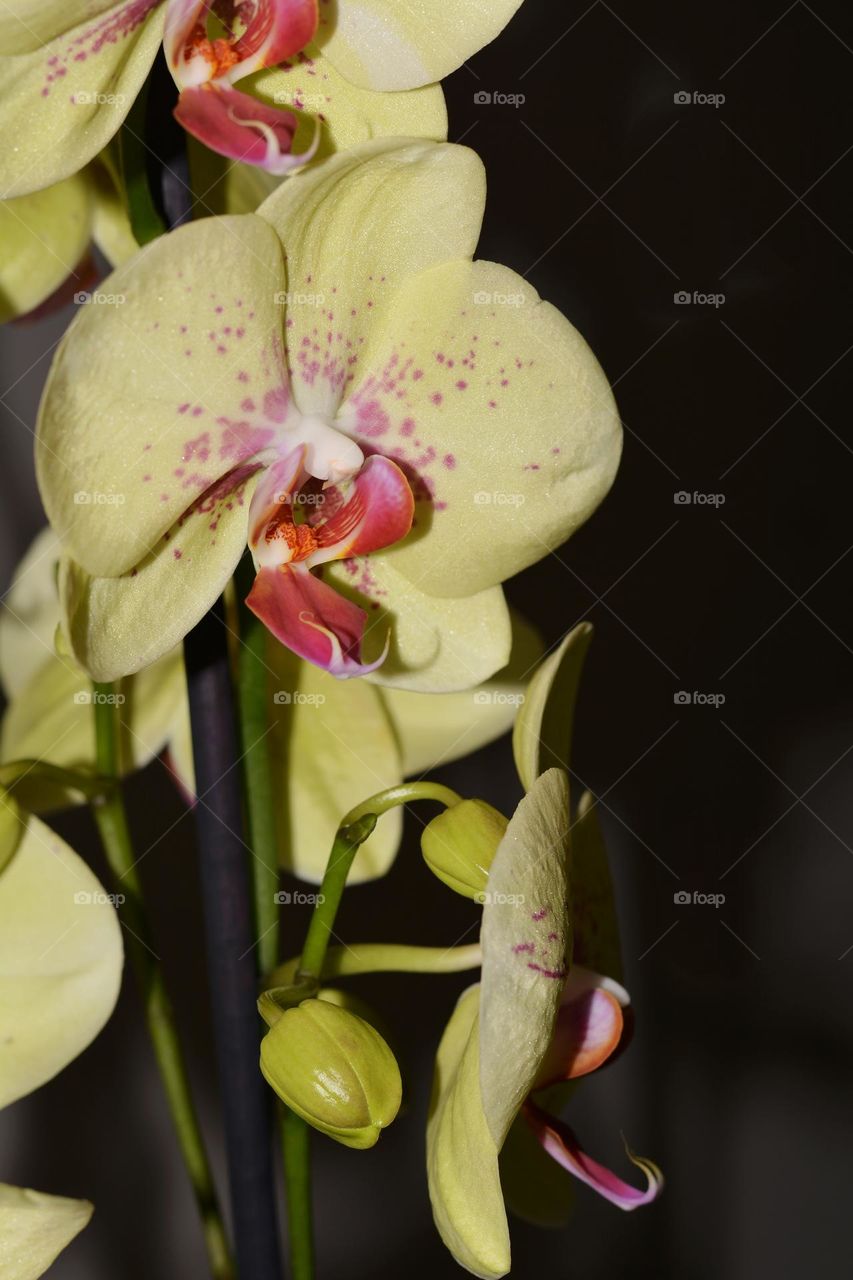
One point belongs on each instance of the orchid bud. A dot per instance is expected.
(460, 843)
(334, 1070)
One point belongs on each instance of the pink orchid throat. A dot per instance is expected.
(210, 44)
(298, 521)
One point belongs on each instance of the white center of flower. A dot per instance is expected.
(330, 455)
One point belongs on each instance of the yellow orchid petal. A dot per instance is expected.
(43, 237)
(132, 429)
(35, 1228)
(437, 645)
(526, 941)
(462, 1158)
(437, 728)
(60, 960)
(332, 747)
(354, 228)
(116, 626)
(29, 614)
(66, 89)
(345, 113)
(504, 415)
(381, 44)
(542, 737)
(111, 229)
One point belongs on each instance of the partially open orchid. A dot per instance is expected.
(227, 402)
(71, 69)
(533, 1021)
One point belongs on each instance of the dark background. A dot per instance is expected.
(610, 197)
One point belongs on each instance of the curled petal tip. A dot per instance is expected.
(235, 125)
(559, 1141)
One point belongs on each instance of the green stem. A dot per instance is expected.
(254, 713)
(383, 957)
(296, 1149)
(402, 794)
(145, 221)
(111, 819)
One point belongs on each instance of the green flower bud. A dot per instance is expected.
(460, 843)
(334, 1070)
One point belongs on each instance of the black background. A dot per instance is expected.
(610, 197)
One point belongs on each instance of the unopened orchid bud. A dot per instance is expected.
(460, 843)
(334, 1070)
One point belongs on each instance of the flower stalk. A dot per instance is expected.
(111, 819)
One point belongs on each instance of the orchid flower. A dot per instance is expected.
(227, 402)
(403, 734)
(532, 1021)
(35, 1228)
(70, 71)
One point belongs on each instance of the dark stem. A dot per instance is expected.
(231, 949)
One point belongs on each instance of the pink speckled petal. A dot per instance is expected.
(67, 81)
(560, 1142)
(270, 31)
(526, 942)
(163, 389)
(116, 626)
(376, 512)
(311, 619)
(238, 126)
